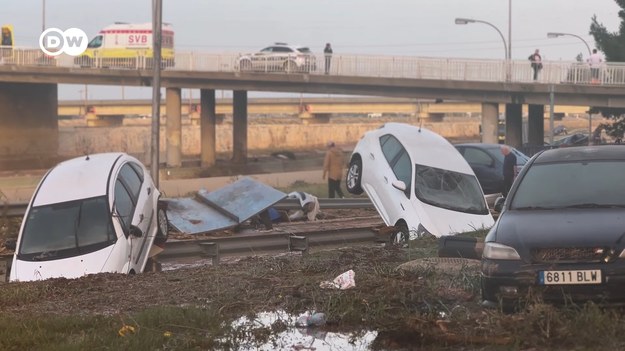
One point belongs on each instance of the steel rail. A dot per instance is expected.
(264, 242)
(19, 209)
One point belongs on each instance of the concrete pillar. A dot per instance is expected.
(536, 125)
(514, 125)
(490, 122)
(29, 130)
(173, 110)
(208, 121)
(239, 126)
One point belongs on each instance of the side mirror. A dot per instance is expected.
(499, 203)
(10, 244)
(135, 231)
(399, 185)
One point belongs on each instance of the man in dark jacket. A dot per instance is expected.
(327, 51)
(509, 165)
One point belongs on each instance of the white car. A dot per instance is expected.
(418, 182)
(92, 214)
(280, 57)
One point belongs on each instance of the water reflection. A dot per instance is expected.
(248, 335)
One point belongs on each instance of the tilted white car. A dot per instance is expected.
(92, 214)
(418, 182)
(280, 57)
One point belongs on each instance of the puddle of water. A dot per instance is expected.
(294, 338)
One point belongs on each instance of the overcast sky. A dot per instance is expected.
(393, 27)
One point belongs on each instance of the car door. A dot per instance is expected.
(260, 59)
(131, 188)
(485, 168)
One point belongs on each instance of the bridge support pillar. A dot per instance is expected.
(173, 111)
(314, 118)
(490, 122)
(536, 125)
(514, 125)
(29, 130)
(239, 126)
(208, 121)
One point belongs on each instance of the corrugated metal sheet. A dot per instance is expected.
(223, 208)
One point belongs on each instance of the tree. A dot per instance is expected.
(612, 44)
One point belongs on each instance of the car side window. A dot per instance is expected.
(477, 157)
(391, 147)
(137, 169)
(281, 49)
(123, 205)
(131, 179)
(403, 170)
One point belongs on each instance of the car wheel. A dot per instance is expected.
(246, 65)
(401, 235)
(354, 176)
(163, 227)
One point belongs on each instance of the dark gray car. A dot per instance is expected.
(561, 232)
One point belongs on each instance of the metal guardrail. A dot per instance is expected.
(519, 71)
(19, 209)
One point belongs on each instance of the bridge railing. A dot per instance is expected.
(553, 72)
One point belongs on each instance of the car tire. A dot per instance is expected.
(354, 176)
(401, 235)
(162, 232)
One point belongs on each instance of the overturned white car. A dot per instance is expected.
(418, 182)
(92, 214)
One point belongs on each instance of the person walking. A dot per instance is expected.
(537, 62)
(333, 168)
(509, 165)
(595, 61)
(327, 51)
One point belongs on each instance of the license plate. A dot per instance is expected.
(591, 276)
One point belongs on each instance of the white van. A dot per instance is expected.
(92, 214)
(127, 44)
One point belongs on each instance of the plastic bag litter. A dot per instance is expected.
(343, 281)
(316, 319)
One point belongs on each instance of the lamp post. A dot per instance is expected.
(555, 35)
(157, 23)
(43, 16)
(470, 20)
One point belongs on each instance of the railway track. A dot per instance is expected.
(319, 233)
(19, 209)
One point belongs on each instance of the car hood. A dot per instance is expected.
(525, 230)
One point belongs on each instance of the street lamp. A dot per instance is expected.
(470, 20)
(555, 35)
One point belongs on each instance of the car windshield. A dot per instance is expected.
(66, 229)
(571, 184)
(450, 190)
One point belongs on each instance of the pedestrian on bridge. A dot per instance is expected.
(537, 62)
(327, 51)
(595, 61)
(333, 167)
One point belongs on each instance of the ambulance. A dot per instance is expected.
(127, 45)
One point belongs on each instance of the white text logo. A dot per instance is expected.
(54, 41)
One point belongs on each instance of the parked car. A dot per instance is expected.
(280, 57)
(560, 233)
(486, 160)
(92, 214)
(417, 181)
(577, 139)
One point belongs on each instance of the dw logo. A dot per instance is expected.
(54, 42)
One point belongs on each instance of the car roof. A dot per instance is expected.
(427, 147)
(582, 153)
(79, 178)
(484, 145)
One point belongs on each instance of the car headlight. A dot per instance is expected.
(496, 251)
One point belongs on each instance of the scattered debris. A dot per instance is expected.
(344, 281)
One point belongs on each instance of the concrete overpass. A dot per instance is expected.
(28, 106)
